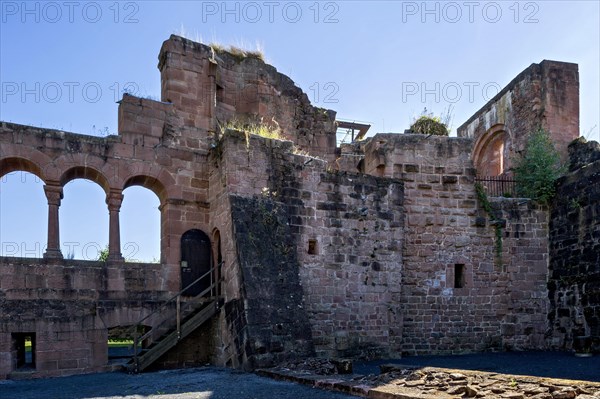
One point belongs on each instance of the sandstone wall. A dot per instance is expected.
(544, 95)
(386, 250)
(209, 88)
(574, 285)
(502, 302)
(70, 307)
(346, 234)
(169, 147)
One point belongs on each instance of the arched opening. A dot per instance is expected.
(23, 212)
(140, 225)
(489, 152)
(151, 183)
(83, 220)
(87, 173)
(14, 164)
(195, 262)
(156, 232)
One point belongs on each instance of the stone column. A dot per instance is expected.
(54, 194)
(114, 200)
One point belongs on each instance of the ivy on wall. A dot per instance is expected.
(487, 206)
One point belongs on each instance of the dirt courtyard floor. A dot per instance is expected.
(199, 383)
(219, 383)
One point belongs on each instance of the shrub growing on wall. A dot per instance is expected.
(427, 124)
(538, 168)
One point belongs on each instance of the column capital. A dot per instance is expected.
(54, 193)
(114, 199)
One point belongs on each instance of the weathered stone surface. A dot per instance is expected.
(574, 285)
(277, 325)
(583, 153)
(443, 230)
(431, 382)
(543, 95)
(382, 251)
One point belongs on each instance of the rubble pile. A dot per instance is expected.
(398, 381)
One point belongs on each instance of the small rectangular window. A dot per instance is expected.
(459, 276)
(312, 247)
(24, 349)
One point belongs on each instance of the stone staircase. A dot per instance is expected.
(147, 356)
(191, 313)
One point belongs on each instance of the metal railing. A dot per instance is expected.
(212, 289)
(497, 186)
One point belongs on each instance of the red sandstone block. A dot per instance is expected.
(51, 365)
(154, 134)
(67, 364)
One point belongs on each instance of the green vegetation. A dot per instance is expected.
(259, 129)
(537, 170)
(238, 52)
(427, 123)
(103, 254)
(120, 343)
(487, 207)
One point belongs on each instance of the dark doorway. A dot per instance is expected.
(24, 348)
(195, 262)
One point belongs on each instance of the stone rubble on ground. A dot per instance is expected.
(398, 381)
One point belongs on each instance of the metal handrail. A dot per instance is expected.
(137, 340)
(498, 186)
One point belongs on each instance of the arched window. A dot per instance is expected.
(23, 215)
(140, 225)
(489, 152)
(83, 220)
(158, 188)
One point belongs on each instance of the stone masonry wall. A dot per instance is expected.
(544, 95)
(362, 264)
(164, 146)
(209, 88)
(500, 304)
(574, 285)
(70, 307)
(353, 224)
(276, 324)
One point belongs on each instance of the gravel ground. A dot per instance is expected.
(200, 383)
(219, 383)
(539, 364)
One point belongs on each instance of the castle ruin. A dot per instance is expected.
(296, 248)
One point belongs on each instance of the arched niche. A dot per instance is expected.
(489, 152)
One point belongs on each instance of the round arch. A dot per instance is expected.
(140, 218)
(17, 164)
(149, 182)
(85, 172)
(489, 150)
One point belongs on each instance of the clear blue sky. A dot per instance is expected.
(64, 65)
